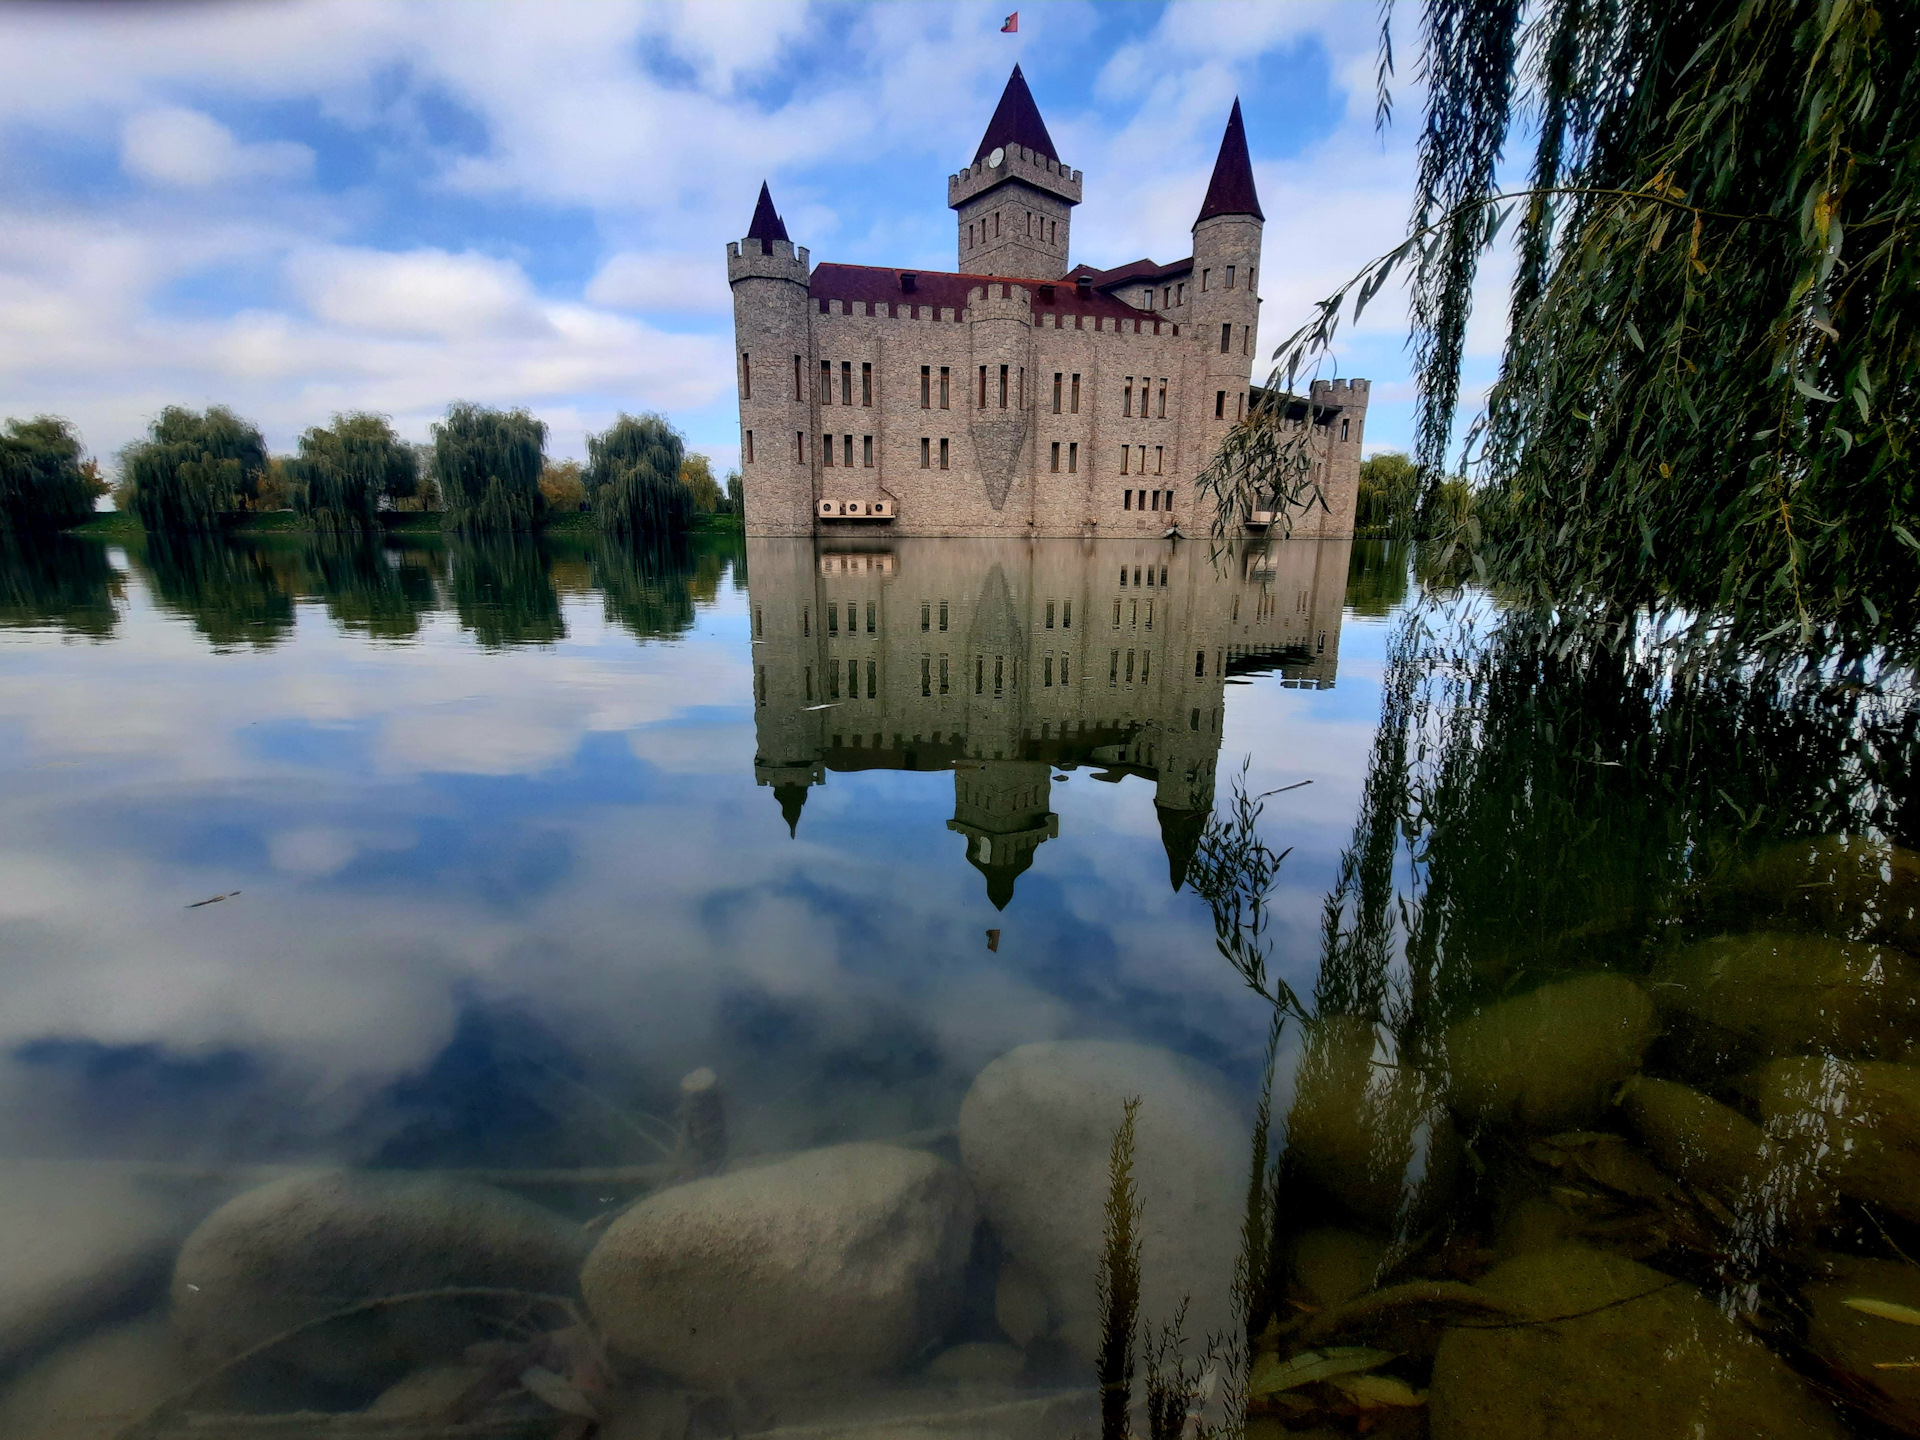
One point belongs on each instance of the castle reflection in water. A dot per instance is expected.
(1004, 661)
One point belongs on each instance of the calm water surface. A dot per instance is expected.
(376, 917)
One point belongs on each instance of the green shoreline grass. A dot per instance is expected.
(122, 525)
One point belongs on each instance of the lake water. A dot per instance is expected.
(455, 920)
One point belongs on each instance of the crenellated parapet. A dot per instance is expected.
(766, 260)
(1043, 172)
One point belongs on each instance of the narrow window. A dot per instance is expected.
(1056, 456)
(1116, 614)
(1125, 451)
(870, 618)
(749, 447)
(826, 382)
(1159, 466)
(866, 451)
(846, 382)
(1049, 615)
(943, 671)
(1146, 665)
(945, 377)
(746, 376)
(926, 676)
(1143, 459)
(1113, 668)
(1066, 614)
(1163, 569)
(1230, 277)
(943, 615)
(833, 619)
(853, 676)
(1156, 500)
(799, 380)
(943, 453)
(996, 224)
(998, 689)
(979, 674)
(1206, 277)
(1136, 579)
(1250, 270)
(1149, 614)
(1220, 405)
(873, 666)
(1239, 404)
(926, 387)
(1123, 569)
(1076, 395)
(1029, 222)
(926, 617)
(799, 447)
(808, 675)
(760, 622)
(1129, 667)
(1156, 505)
(926, 453)
(1003, 387)
(1166, 297)
(1226, 338)
(1199, 672)
(827, 450)
(1063, 669)
(1193, 721)
(1073, 457)
(866, 383)
(1149, 298)
(1126, 399)
(1133, 616)
(970, 235)
(1180, 293)
(806, 620)
(983, 388)
(847, 450)
(1047, 674)
(1163, 399)
(1020, 395)
(1056, 392)
(1343, 429)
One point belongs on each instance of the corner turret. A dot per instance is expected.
(1224, 292)
(769, 277)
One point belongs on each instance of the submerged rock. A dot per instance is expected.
(96, 1387)
(1645, 1354)
(1855, 1126)
(1035, 1133)
(1756, 995)
(978, 1362)
(1549, 1059)
(1020, 1305)
(1370, 1133)
(1856, 1343)
(1333, 1266)
(839, 1262)
(1694, 1136)
(1840, 884)
(314, 1244)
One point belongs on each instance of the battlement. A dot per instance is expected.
(1344, 394)
(1042, 172)
(767, 259)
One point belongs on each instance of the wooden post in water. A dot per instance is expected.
(702, 1123)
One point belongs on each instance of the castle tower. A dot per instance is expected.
(1226, 301)
(1005, 809)
(1015, 202)
(768, 275)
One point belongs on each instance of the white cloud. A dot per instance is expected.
(416, 292)
(668, 284)
(172, 146)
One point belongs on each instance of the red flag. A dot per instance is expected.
(1012, 27)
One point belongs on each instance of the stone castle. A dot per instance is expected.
(1016, 396)
(1006, 661)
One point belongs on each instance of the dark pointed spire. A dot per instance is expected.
(767, 225)
(1180, 833)
(791, 798)
(1016, 121)
(1231, 191)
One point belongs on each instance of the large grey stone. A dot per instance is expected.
(311, 1245)
(1854, 1127)
(1036, 1130)
(1548, 1059)
(96, 1387)
(1640, 1354)
(839, 1262)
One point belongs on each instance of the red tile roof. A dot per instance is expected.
(1016, 121)
(877, 285)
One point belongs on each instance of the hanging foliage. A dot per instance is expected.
(487, 464)
(1709, 386)
(344, 470)
(634, 479)
(44, 484)
(192, 468)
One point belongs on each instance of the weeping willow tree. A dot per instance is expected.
(487, 464)
(634, 479)
(193, 468)
(44, 484)
(345, 469)
(503, 591)
(57, 582)
(1708, 388)
(228, 591)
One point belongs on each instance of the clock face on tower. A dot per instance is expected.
(993, 160)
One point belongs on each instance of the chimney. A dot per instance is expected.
(1083, 287)
(908, 279)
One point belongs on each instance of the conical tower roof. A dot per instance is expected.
(767, 225)
(1231, 191)
(792, 798)
(1016, 121)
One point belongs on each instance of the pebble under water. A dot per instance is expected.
(936, 988)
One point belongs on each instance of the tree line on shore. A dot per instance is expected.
(486, 469)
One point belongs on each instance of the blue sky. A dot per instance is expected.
(299, 208)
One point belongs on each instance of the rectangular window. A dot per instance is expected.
(1003, 387)
(1049, 615)
(866, 383)
(1063, 669)
(1206, 277)
(866, 451)
(926, 453)
(998, 688)
(1056, 392)
(1126, 399)
(996, 224)
(1239, 404)
(1066, 614)
(853, 682)
(826, 450)
(749, 447)
(943, 615)
(1230, 277)
(1116, 614)
(1129, 667)
(979, 674)
(833, 680)
(1149, 614)
(1136, 577)
(943, 454)
(1123, 569)
(1343, 429)
(1073, 457)
(807, 674)
(1125, 451)
(1149, 304)
(946, 376)
(926, 387)
(1163, 569)
(799, 447)
(1163, 399)
(943, 671)
(833, 619)
(1143, 462)
(1146, 665)
(1056, 457)
(799, 380)
(826, 382)
(983, 388)
(926, 617)
(759, 622)
(873, 668)
(1126, 499)
(1156, 500)
(926, 676)
(1047, 674)
(1226, 337)
(1075, 407)
(1159, 466)
(746, 376)
(847, 450)
(1113, 668)
(1220, 405)
(846, 383)
(870, 618)
(806, 620)
(1180, 293)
